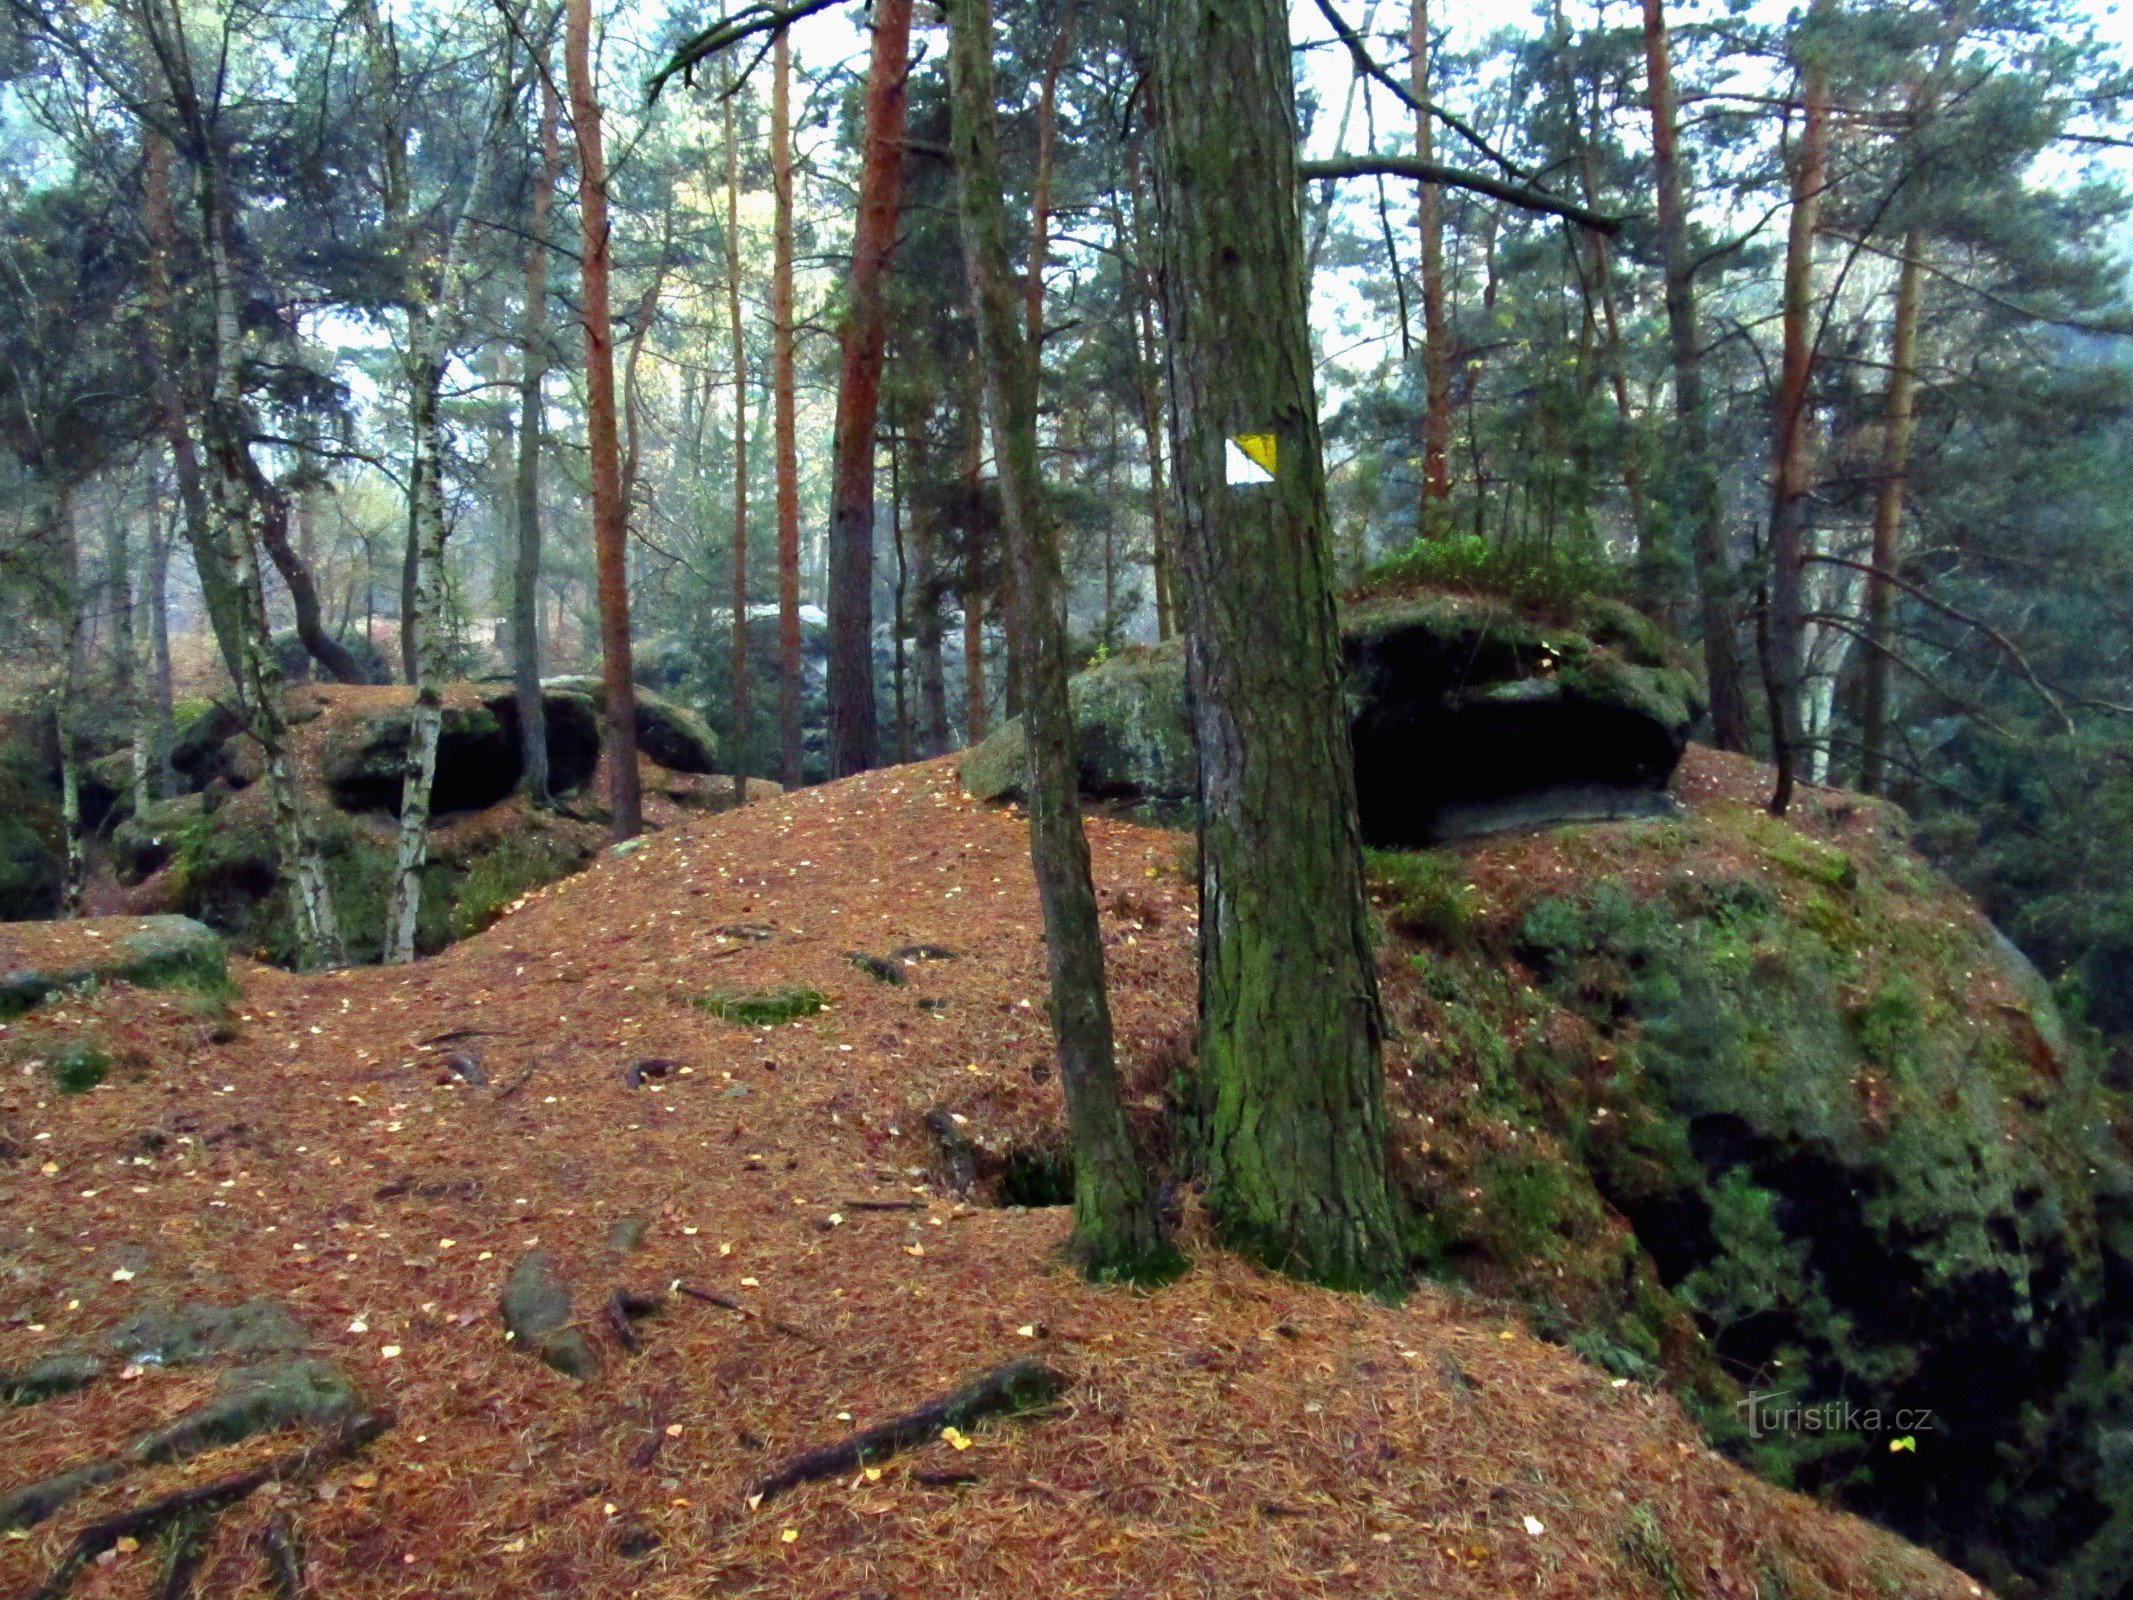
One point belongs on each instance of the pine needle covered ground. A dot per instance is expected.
(311, 1142)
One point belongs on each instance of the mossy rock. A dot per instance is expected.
(669, 735)
(30, 872)
(1765, 1111)
(179, 1335)
(1466, 717)
(166, 952)
(364, 764)
(143, 845)
(203, 749)
(254, 1400)
(1132, 738)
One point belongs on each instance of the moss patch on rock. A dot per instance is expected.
(1769, 1109)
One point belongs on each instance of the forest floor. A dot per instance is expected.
(1232, 1434)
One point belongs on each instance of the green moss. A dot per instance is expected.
(764, 1009)
(78, 1066)
(1426, 894)
(1645, 1543)
(517, 865)
(1528, 573)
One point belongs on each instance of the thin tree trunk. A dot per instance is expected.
(1436, 337)
(1141, 274)
(1888, 521)
(432, 322)
(933, 734)
(218, 585)
(853, 731)
(1289, 1072)
(526, 563)
(1040, 203)
(161, 715)
(976, 712)
(739, 755)
(127, 679)
(610, 513)
(1116, 1230)
(786, 428)
(66, 560)
(1790, 452)
(902, 588)
(338, 662)
(1700, 501)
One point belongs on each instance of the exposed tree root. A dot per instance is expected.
(1018, 1386)
(201, 1503)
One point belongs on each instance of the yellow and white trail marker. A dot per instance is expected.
(1252, 458)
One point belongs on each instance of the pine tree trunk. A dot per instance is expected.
(739, 753)
(1699, 499)
(1791, 466)
(853, 732)
(161, 716)
(610, 514)
(1436, 337)
(333, 657)
(218, 586)
(785, 426)
(1289, 1073)
(1116, 1230)
(933, 735)
(526, 557)
(1040, 199)
(1888, 522)
(66, 700)
(1142, 276)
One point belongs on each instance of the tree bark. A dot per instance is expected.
(1291, 1085)
(933, 735)
(1436, 337)
(739, 754)
(66, 702)
(1142, 277)
(161, 716)
(218, 586)
(338, 662)
(1698, 499)
(610, 514)
(1040, 193)
(532, 425)
(785, 427)
(1790, 452)
(432, 306)
(853, 731)
(1117, 1233)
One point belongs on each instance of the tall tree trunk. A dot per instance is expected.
(853, 731)
(433, 316)
(1116, 1230)
(610, 513)
(976, 704)
(1290, 1024)
(1040, 193)
(785, 425)
(160, 717)
(232, 513)
(1888, 521)
(933, 735)
(739, 755)
(66, 700)
(1791, 465)
(901, 593)
(1436, 337)
(128, 680)
(1699, 499)
(1141, 276)
(218, 585)
(333, 657)
(532, 425)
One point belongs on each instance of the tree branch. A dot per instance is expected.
(743, 24)
(1367, 64)
(1527, 199)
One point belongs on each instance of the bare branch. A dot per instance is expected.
(1456, 178)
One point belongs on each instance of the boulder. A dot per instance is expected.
(175, 1336)
(1467, 717)
(364, 763)
(1132, 737)
(536, 1309)
(143, 845)
(164, 952)
(204, 748)
(668, 734)
(30, 875)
